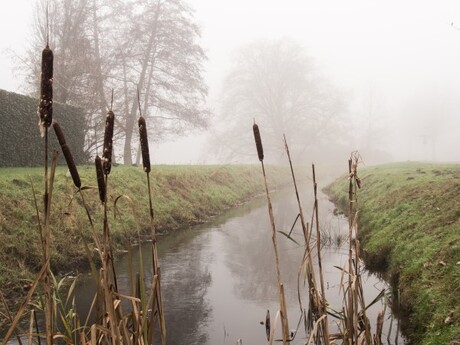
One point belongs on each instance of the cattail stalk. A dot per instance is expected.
(283, 309)
(100, 179)
(320, 264)
(108, 142)
(158, 300)
(307, 258)
(67, 155)
(45, 114)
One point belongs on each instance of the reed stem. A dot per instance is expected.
(323, 310)
(283, 309)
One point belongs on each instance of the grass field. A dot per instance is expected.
(409, 217)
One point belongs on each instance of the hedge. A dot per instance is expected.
(20, 139)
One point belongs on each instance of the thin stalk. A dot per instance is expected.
(305, 229)
(47, 246)
(350, 306)
(283, 310)
(10, 317)
(24, 304)
(320, 265)
(156, 267)
(108, 250)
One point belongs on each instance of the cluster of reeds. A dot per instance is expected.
(354, 326)
(114, 317)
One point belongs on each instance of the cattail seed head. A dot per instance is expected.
(100, 179)
(59, 133)
(67, 155)
(45, 107)
(260, 149)
(108, 141)
(144, 144)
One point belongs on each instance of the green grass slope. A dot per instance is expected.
(410, 228)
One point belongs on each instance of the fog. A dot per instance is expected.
(396, 63)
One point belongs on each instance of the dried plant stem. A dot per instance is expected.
(357, 324)
(156, 268)
(10, 317)
(322, 306)
(155, 300)
(350, 306)
(47, 243)
(307, 257)
(282, 300)
(24, 305)
(283, 309)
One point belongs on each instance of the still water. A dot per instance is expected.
(218, 279)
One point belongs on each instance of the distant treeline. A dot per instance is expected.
(20, 139)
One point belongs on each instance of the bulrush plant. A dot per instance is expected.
(282, 300)
(109, 324)
(45, 113)
(156, 297)
(353, 324)
(317, 300)
(356, 325)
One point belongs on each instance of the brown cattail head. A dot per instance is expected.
(45, 107)
(59, 133)
(100, 179)
(108, 141)
(260, 149)
(144, 144)
(67, 155)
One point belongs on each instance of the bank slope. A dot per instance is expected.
(410, 228)
(182, 195)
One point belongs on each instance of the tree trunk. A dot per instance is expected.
(131, 116)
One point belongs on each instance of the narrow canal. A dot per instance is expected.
(218, 279)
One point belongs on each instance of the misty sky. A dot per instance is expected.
(399, 62)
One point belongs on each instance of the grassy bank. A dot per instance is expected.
(182, 195)
(410, 229)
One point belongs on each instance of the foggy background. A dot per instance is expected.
(397, 64)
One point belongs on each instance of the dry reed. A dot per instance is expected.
(282, 299)
(156, 300)
(45, 113)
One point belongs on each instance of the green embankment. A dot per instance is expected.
(409, 222)
(182, 195)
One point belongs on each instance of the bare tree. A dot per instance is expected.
(101, 45)
(277, 84)
(165, 61)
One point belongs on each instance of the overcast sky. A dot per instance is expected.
(400, 51)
